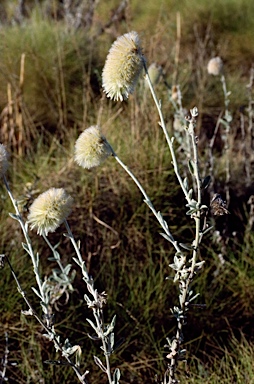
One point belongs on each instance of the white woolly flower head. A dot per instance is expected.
(215, 66)
(91, 148)
(3, 160)
(49, 210)
(123, 66)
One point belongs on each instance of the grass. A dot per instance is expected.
(120, 240)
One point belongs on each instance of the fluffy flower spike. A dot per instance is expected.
(123, 66)
(49, 210)
(91, 148)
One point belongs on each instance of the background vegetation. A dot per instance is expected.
(50, 76)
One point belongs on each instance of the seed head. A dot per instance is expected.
(123, 66)
(3, 160)
(215, 65)
(91, 148)
(49, 210)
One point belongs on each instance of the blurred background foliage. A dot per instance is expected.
(52, 55)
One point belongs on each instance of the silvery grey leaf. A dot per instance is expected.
(185, 183)
(29, 312)
(194, 297)
(186, 246)
(111, 342)
(76, 261)
(191, 167)
(190, 193)
(99, 363)
(116, 376)
(206, 182)
(92, 325)
(207, 230)
(95, 338)
(52, 259)
(56, 362)
(167, 237)
(25, 246)
(15, 217)
(37, 293)
(173, 266)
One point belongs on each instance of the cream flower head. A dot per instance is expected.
(123, 66)
(3, 160)
(49, 210)
(91, 148)
(215, 65)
